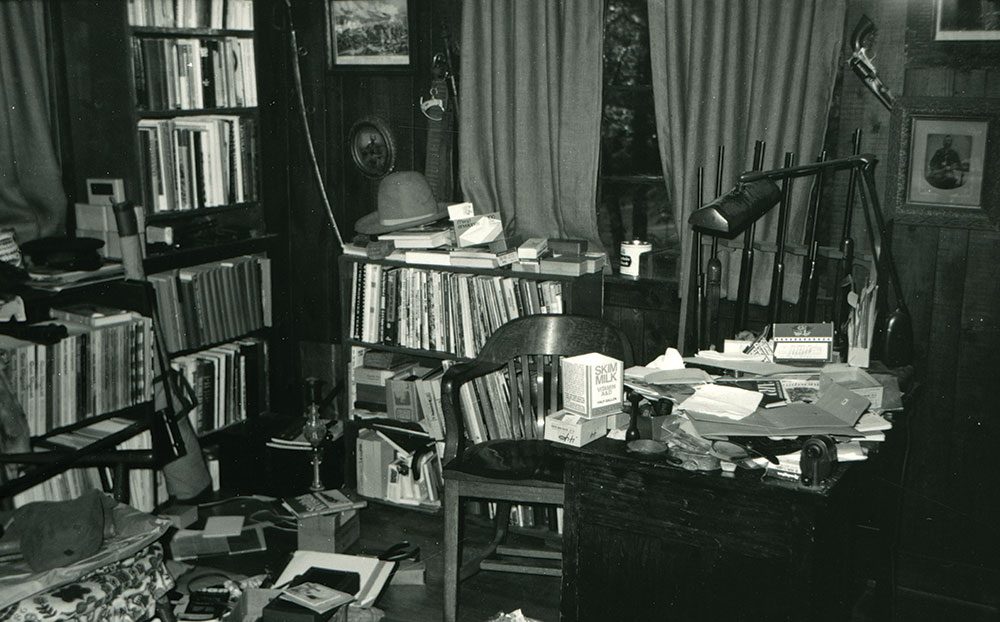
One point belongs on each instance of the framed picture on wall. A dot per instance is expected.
(369, 34)
(967, 20)
(946, 165)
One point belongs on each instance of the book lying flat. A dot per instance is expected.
(316, 596)
(373, 573)
(321, 503)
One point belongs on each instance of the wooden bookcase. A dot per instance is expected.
(581, 295)
(49, 460)
(108, 100)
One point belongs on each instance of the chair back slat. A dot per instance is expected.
(554, 390)
(524, 399)
(538, 398)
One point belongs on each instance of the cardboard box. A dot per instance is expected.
(574, 429)
(855, 379)
(592, 384)
(532, 248)
(373, 459)
(478, 229)
(331, 533)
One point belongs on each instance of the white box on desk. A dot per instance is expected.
(574, 429)
(592, 384)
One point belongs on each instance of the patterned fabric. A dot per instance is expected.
(124, 591)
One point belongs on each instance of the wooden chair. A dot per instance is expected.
(520, 470)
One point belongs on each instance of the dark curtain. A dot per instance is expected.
(529, 127)
(728, 73)
(32, 200)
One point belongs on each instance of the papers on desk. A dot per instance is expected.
(725, 402)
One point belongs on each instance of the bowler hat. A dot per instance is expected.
(405, 199)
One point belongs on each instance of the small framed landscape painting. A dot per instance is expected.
(365, 34)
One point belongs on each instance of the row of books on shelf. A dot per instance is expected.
(195, 162)
(192, 73)
(444, 311)
(218, 14)
(144, 487)
(213, 302)
(229, 382)
(103, 364)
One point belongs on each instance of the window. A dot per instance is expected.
(632, 196)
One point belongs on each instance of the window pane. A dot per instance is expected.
(626, 43)
(628, 133)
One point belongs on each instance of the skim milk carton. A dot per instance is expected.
(592, 384)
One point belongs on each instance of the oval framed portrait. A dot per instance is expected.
(372, 146)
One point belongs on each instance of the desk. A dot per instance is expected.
(645, 540)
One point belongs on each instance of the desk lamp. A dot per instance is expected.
(756, 193)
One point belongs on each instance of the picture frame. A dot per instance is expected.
(945, 165)
(369, 34)
(372, 146)
(955, 20)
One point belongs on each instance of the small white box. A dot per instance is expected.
(457, 211)
(532, 248)
(481, 229)
(574, 429)
(592, 384)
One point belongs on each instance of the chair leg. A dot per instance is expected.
(501, 523)
(452, 553)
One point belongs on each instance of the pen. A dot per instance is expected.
(776, 404)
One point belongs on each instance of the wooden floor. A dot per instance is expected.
(480, 597)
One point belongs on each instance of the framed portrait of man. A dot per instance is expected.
(945, 161)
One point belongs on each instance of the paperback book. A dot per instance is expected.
(316, 596)
(321, 503)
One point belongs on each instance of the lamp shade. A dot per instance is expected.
(731, 214)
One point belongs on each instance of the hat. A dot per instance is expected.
(405, 199)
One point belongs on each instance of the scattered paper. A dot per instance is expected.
(671, 359)
(727, 402)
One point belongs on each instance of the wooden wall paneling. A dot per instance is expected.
(915, 251)
(976, 418)
(930, 479)
(275, 118)
(389, 97)
(95, 39)
(314, 294)
(969, 83)
(929, 81)
(992, 87)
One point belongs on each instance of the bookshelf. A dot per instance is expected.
(163, 94)
(434, 315)
(88, 401)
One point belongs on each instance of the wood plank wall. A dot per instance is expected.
(948, 561)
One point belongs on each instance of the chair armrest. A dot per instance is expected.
(451, 402)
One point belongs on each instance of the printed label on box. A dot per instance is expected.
(592, 384)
